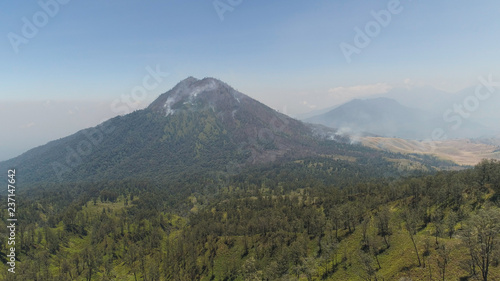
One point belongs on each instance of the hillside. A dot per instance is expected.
(461, 151)
(282, 222)
(388, 118)
(209, 184)
(379, 116)
(198, 127)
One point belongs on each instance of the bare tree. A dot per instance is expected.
(365, 224)
(443, 259)
(336, 217)
(427, 250)
(481, 237)
(411, 224)
(437, 219)
(375, 246)
(382, 220)
(367, 264)
(451, 221)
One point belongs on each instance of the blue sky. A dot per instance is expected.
(283, 53)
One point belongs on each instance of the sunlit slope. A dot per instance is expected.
(461, 151)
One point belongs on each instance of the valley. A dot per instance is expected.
(464, 152)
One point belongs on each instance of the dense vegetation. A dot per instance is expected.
(225, 188)
(148, 145)
(311, 219)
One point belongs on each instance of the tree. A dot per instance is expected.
(329, 246)
(437, 219)
(309, 267)
(375, 246)
(443, 259)
(44, 261)
(427, 250)
(336, 217)
(52, 240)
(349, 217)
(382, 220)
(65, 269)
(411, 224)
(364, 233)
(481, 238)
(451, 221)
(366, 261)
(249, 270)
(91, 259)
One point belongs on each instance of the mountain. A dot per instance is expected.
(199, 125)
(388, 118)
(425, 97)
(380, 116)
(482, 111)
(244, 120)
(479, 120)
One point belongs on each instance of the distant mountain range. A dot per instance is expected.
(379, 116)
(388, 118)
(200, 126)
(437, 102)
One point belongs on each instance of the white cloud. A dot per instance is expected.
(311, 106)
(75, 110)
(29, 125)
(343, 94)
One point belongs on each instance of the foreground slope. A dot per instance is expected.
(281, 222)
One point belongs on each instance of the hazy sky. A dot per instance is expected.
(67, 65)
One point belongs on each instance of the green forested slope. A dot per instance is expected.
(298, 221)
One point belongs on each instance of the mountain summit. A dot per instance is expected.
(199, 125)
(192, 93)
(244, 120)
(198, 128)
